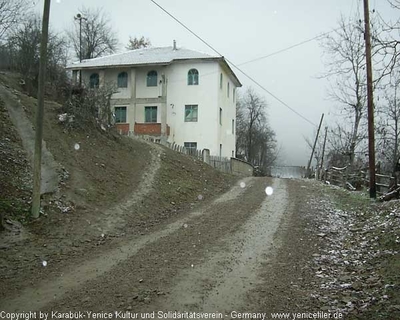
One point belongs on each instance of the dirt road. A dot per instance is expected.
(210, 260)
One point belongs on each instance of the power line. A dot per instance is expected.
(236, 67)
(280, 51)
(271, 94)
(288, 48)
(198, 37)
(245, 74)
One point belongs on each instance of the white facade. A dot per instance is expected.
(213, 93)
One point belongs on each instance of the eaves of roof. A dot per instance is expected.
(221, 60)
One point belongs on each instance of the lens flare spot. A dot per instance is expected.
(77, 146)
(269, 191)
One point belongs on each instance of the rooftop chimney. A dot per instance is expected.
(174, 47)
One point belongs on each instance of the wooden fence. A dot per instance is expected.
(343, 177)
(221, 163)
(383, 183)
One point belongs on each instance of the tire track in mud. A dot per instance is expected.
(222, 281)
(70, 281)
(147, 281)
(114, 217)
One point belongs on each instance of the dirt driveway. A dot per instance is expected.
(210, 260)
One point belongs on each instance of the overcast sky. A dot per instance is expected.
(243, 30)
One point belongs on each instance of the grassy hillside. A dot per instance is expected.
(97, 182)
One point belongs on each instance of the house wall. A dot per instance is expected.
(205, 95)
(125, 97)
(142, 90)
(207, 132)
(140, 114)
(228, 105)
(111, 77)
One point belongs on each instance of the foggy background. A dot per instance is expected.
(243, 31)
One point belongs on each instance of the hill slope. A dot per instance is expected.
(110, 188)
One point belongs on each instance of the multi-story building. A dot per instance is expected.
(179, 95)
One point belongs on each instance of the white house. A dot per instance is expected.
(179, 95)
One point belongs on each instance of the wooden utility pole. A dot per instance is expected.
(37, 165)
(323, 150)
(370, 97)
(315, 143)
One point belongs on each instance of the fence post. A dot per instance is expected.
(206, 155)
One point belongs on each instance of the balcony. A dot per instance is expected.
(153, 129)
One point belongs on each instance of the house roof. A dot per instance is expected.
(148, 56)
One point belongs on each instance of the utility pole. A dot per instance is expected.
(37, 165)
(323, 150)
(370, 96)
(315, 143)
(79, 17)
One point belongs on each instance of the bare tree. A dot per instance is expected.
(98, 36)
(395, 3)
(252, 108)
(24, 45)
(137, 43)
(11, 12)
(91, 107)
(389, 125)
(387, 42)
(255, 139)
(347, 75)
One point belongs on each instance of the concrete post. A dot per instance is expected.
(163, 110)
(101, 78)
(133, 99)
(206, 156)
(75, 77)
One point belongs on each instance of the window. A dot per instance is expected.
(150, 114)
(191, 147)
(120, 114)
(122, 80)
(220, 80)
(94, 80)
(193, 77)
(191, 112)
(233, 94)
(227, 90)
(220, 116)
(152, 79)
(233, 126)
(220, 150)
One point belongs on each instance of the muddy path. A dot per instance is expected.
(50, 168)
(209, 260)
